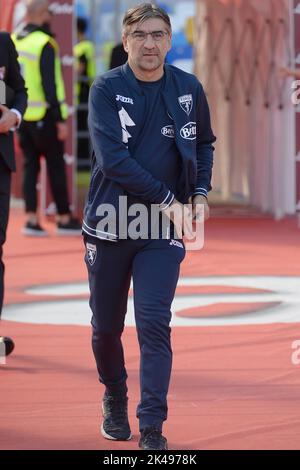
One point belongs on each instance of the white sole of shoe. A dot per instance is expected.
(107, 436)
(33, 233)
(65, 232)
(111, 438)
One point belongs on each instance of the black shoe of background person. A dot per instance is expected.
(152, 439)
(34, 230)
(9, 344)
(73, 227)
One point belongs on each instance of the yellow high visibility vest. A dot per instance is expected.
(87, 49)
(30, 50)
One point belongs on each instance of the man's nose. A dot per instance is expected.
(149, 42)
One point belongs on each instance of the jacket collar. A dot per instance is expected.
(130, 77)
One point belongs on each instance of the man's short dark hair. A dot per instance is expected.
(81, 25)
(144, 12)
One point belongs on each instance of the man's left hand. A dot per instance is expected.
(197, 208)
(8, 119)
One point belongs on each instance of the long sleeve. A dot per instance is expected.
(47, 67)
(205, 149)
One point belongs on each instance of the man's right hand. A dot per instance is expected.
(181, 217)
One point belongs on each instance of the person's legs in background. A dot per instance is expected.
(53, 150)
(40, 139)
(31, 169)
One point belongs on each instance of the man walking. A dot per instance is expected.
(152, 141)
(12, 106)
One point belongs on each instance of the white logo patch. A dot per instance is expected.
(189, 131)
(125, 120)
(186, 103)
(176, 243)
(168, 131)
(91, 253)
(124, 99)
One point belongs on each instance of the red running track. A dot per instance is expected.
(233, 387)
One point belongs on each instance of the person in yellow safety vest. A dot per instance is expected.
(84, 53)
(44, 129)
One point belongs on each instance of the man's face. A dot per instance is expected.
(147, 53)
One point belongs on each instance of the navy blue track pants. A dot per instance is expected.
(153, 265)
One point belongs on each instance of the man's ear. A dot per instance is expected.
(170, 42)
(125, 45)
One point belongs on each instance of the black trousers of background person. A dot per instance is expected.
(37, 139)
(5, 184)
(83, 143)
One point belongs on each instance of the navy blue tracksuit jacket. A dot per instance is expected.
(115, 122)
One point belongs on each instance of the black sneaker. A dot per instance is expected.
(152, 439)
(34, 230)
(115, 425)
(8, 343)
(73, 227)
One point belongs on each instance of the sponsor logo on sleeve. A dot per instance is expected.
(168, 131)
(189, 131)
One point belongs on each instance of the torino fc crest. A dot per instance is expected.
(91, 253)
(186, 103)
